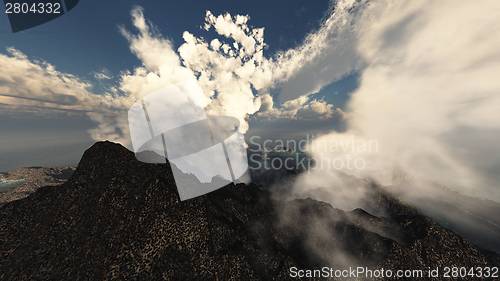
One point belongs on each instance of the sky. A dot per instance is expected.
(87, 43)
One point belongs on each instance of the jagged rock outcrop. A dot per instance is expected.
(119, 219)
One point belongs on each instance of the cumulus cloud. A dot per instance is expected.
(230, 70)
(26, 83)
(224, 73)
(303, 107)
(161, 65)
(36, 87)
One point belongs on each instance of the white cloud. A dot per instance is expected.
(37, 87)
(428, 96)
(161, 64)
(222, 72)
(325, 56)
(230, 69)
(26, 83)
(237, 29)
(35, 84)
(153, 50)
(103, 74)
(303, 107)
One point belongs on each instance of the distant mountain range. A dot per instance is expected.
(120, 219)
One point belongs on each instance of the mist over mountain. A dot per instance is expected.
(120, 219)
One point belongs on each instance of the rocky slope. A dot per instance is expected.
(119, 219)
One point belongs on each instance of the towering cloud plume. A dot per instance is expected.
(230, 70)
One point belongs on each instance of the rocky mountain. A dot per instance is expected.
(120, 219)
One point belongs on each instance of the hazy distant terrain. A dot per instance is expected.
(32, 178)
